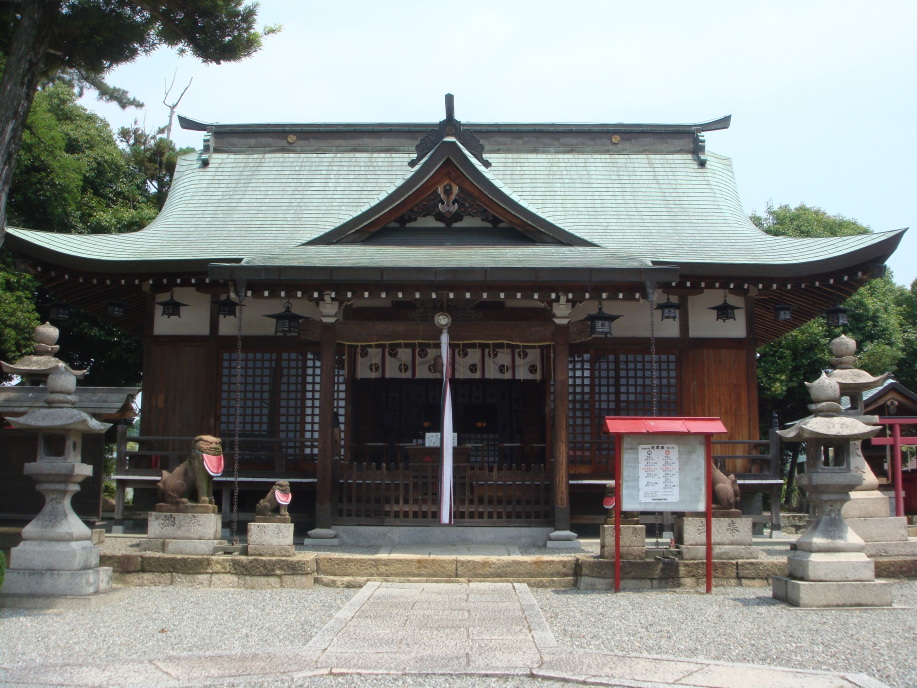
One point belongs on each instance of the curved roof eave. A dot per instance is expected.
(873, 252)
(449, 149)
(24, 241)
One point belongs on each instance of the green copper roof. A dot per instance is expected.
(640, 208)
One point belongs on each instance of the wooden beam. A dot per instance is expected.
(323, 494)
(561, 415)
(368, 332)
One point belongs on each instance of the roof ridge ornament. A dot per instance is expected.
(450, 127)
(700, 147)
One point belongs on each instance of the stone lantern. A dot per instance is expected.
(56, 559)
(868, 511)
(828, 567)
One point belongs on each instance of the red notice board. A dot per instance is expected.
(663, 464)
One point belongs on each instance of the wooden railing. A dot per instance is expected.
(373, 494)
(150, 455)
(761, 459)
(757, 469)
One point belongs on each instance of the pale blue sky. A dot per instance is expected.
(822, 93)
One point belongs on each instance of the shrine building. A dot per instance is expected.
(286, 297)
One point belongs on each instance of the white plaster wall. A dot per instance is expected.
(634, 320)
(703, 322)
(253, 320)
(195, 317)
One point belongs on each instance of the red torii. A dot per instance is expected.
(895, 442)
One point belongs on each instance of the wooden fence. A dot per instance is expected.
(372, 494)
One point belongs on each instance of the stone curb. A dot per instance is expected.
(584, 572)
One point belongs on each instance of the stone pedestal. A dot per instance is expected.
(633, 542)
(732, 538)
(563, 539)
(868, 513)
(270, 540)
(322, 537)
(56, 558)
(183, 533)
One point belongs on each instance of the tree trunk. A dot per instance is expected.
(20, 81)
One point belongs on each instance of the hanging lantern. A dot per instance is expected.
(171, 307)
(783, 312)
(60, 311)
(668, 309)
(287, 320)
(725, 311)
(600, 323)
(227, 307)
(116, 309)
(837, 316)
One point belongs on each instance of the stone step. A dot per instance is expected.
(342, 570)
(356, 571)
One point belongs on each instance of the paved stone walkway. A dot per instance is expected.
(495, 629)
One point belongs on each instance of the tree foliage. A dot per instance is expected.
(881, 321)
(80, 41)
(805, 221)
(73, 177)
(154, 157)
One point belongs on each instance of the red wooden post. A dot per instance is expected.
(619, 448)
(896, 469)
(708, 481)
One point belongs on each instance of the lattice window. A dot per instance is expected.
(603, 383)
(636, 385)
(279, 400)
(270, 383)
(311, 398)
(580, 410)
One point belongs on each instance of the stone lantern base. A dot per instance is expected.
(831, 594)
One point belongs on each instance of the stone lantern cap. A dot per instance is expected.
(60, 414)
(43, 361)
(827, 423)
(845, 373)
(829, 428)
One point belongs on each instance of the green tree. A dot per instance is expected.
(82, 40)
(879, 322)
(17, 311)
(805, 221)
(71, 175)
(154, 157)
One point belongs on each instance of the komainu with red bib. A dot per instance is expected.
(194, 476)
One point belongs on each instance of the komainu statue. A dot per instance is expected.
(194, 476)
(277, 499)
(725, 491)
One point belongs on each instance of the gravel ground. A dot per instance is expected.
(732, 625)
(742, 625)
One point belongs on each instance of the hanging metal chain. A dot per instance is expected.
(654, 380)
(654, 366)
(236, 424)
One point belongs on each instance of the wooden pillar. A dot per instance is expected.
(323, 490)
(561, 415)
(120, 469)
